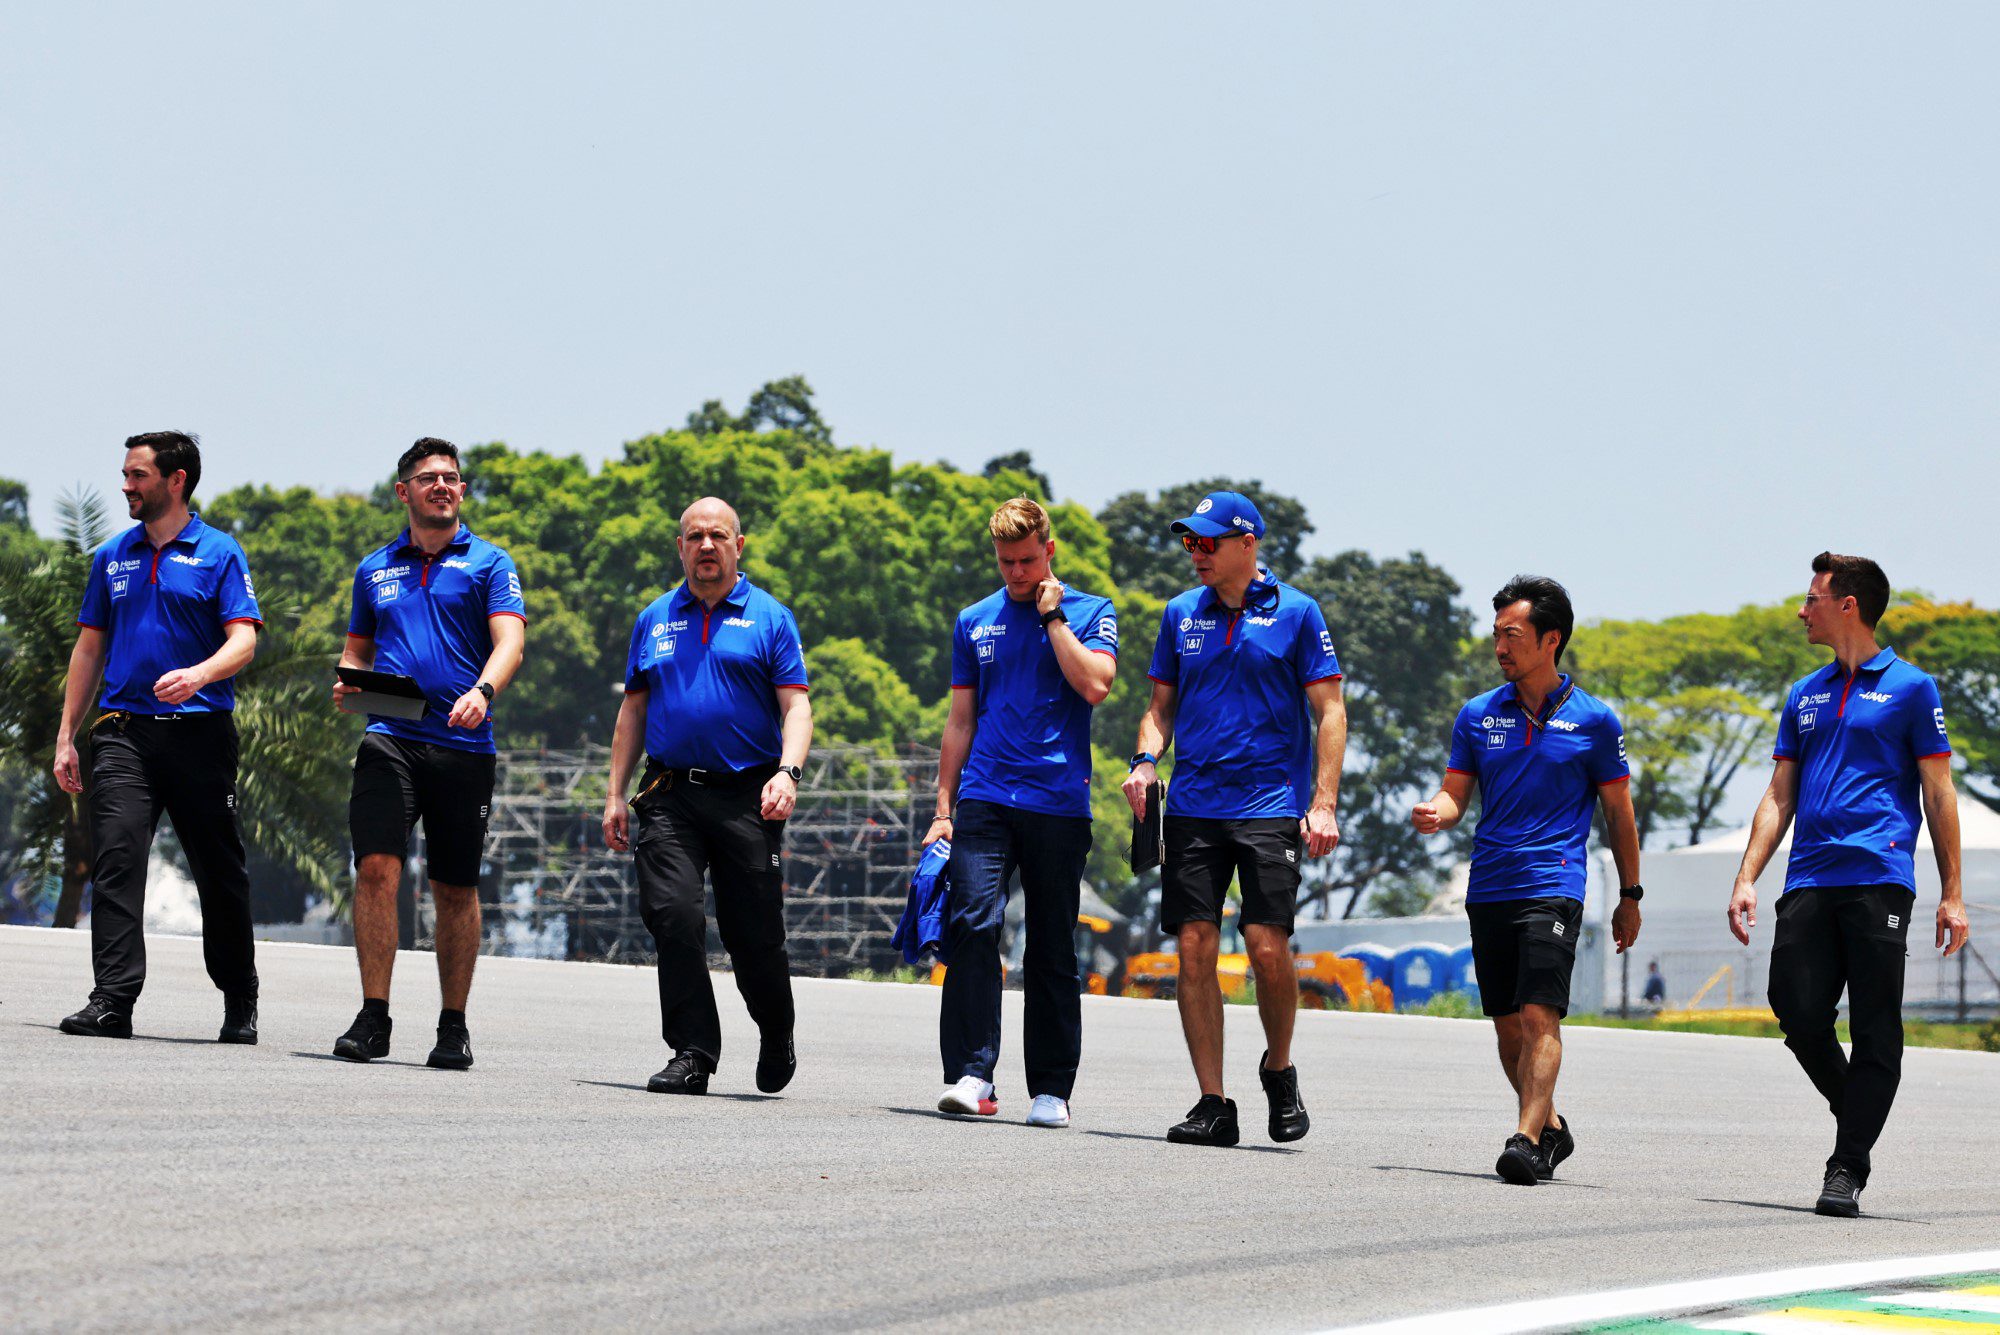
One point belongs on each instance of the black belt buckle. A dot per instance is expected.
(699, 777)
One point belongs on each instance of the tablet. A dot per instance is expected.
(388, 694)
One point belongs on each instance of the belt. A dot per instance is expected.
(663, 778)
(118, 718)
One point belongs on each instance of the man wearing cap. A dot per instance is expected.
(169, 618)
(1861, 743)
(715, 696)
(1545, 756)
(1245, 678)
(1027, 665)
(442, 606)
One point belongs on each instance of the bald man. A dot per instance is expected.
(715, 694)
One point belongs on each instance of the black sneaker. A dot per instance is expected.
(1841, 1195)
(776, 1064)
(99, 1019)
(1288, 1110)
(454, 1048)
(685, 1074)
(366, 1039)
(239, 1020)
(1520, 1162)
(1557, 1144)
(1210, 1122)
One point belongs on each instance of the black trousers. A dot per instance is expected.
(1852, 937)
(184, 765)
(683, 831)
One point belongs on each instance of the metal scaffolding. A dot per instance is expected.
(553, 889)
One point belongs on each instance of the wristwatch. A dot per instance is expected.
(485, 689)
(1143, 758)
(792, 770)
(1634, 892)
(1056, 615)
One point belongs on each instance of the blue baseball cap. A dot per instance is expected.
(1221, 513)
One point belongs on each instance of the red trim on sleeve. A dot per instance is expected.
(1466, 772)
(793, 686)
(1934, 755)
(1162, 680)
(1780, 755)
(518, 616)
(88, 626)
(1613, 783)
(363, 638)
(956, 687)
(1111, 654)
(254, 621)
(1335, 676)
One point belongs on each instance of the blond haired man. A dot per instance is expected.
(1027, 666)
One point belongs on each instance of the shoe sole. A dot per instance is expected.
(984, 1108)
(1219, 1142)
(81, 1032)
(448, 1061)
(247, 1040)
(663, 1088)
(1512, 1169)
(769, 1086)
(1285, 1135)
(1837, 1209)
(354, 1052)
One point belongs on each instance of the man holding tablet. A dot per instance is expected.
(443, 608)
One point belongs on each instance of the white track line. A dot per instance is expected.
(1542, 1314)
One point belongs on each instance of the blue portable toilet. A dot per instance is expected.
(1379, 961)
(1419, 972)
(1459, 976)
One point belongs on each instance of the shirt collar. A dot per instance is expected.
(1261, 596)
(1510, 693)
(738, 594)
(190, 533)
(1878, 663)
(459, 541)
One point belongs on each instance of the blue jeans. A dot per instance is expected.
(989, 842)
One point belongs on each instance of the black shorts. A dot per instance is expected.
(1523, 951)
(398, 782)
(1261, 854)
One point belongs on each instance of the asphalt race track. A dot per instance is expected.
(172, 1182)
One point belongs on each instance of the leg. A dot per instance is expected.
(1507, 1030)
(744, 855)
(1808, 971)
(199, 783)
(381, 810)
(1199, 996)
(1277, 989)
(1053, 850)
(457, 940)
(123, 815)
(671, 864)
(1536, 1068)
(1548, 932)
(982, 863)
(1875, 924)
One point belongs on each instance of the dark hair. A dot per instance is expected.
(1858, 578)
(1548, 606)
(422, 450)
(173, 452)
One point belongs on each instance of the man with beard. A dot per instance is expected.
(444, 607)
(715, 697)
(169, 618)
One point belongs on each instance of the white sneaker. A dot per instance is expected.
(972, 1096)
(1048, 1110)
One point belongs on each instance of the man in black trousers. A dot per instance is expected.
(715, 695)
(169, 618)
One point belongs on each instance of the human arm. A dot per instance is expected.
(1621, 829)
(1088, 671)
(795, 727)
(1156, 734)
(628, 735)
(510, 636)
(1767, 828)
(239, 646)
(1329, 706)
(1941, 814)
(956, 744)
(86, 668)
(1446, 807)
(357, 651)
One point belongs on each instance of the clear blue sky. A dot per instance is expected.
(1660, 299)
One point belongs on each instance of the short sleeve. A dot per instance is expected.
(964, 659)
(235, 595)
(1925, 726)
(788, 653)
(503, 589)
(1464, 744)
(1166, 665)
(361, 616)
(96, 610)
(1787, 747)
(1606, 760)
(1100, 629)
(1312, 648)
(635, 676)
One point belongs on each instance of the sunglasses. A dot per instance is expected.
(1194, 542)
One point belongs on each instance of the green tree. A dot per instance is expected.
(1022, 463)
(1958, 644)
(1145, 554)
(781, 405)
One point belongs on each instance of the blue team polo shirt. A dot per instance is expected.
(1242, 728)
(428, 618)
(711, 677)
(1538, 781)
(1031, 743)
(1857, 741)
(164, 608)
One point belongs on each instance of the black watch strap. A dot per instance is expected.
(1055, 615)
(485, 688)
(792, 770)
(1632, 892)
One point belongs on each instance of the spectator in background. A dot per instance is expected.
(1655, 995)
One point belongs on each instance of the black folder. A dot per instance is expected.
(1149, 840)
(388, 694)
